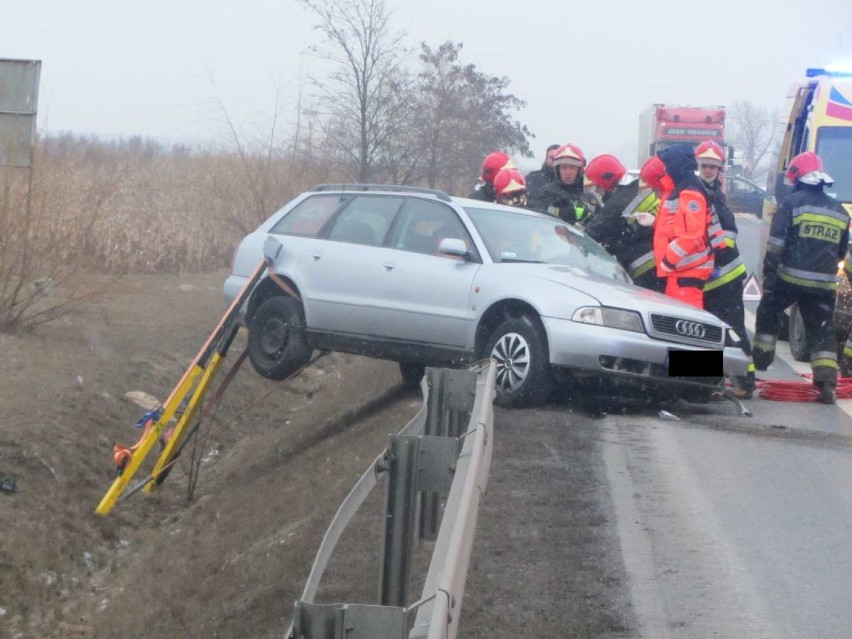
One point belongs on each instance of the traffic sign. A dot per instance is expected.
(751, 290)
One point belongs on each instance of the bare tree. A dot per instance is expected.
(754, 134)
(464, 115)
(361, 93)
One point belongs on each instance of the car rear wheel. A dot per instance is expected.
(519, 347)
(277, 346)
(411, 374)
(798, 336)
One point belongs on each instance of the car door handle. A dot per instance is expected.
(315, 257)
(388, 267)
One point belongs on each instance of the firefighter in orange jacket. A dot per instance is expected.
(684, 229)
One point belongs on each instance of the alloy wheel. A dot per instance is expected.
(512, 355)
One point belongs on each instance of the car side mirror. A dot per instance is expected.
(272, 248)
(454, 246)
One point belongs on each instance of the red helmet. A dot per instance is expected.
(492, 163)
(807, 168)
(710, 153)
(569, 154)
(604, 171)
(509, 181)
(652, 173)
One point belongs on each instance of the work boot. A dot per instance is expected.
(762, 359)
(827, 391)
(828, 395)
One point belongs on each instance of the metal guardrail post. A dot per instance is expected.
(415, 463)
(451, 397)
(347, 621)
(435, 378)
(400, 510)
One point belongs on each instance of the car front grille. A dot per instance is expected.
(687, 330)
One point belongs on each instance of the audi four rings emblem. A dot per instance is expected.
(689, 329)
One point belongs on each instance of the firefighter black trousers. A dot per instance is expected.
(817, 308)
(726, 303)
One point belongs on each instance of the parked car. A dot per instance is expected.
(744, 196)
(424, 279)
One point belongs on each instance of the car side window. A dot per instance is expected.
(365, 220)
(423, 224)
(741, 187)
(308, 217)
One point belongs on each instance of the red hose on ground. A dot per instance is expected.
(795, 391)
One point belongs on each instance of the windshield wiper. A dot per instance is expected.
(518, 260)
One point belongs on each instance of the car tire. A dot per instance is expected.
(798, 336)
(412, 373)
(277, 346)
(524, 376)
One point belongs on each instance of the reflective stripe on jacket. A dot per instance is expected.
(808, 237)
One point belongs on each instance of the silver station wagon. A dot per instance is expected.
(417, 277)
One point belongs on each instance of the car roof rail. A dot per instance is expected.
(381, 187)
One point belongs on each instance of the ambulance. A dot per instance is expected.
(820, 120)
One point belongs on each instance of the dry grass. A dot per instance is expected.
(128, 206)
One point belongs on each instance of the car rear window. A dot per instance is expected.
(308, 216)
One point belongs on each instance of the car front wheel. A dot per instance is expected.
(519, 348)
(277, 346)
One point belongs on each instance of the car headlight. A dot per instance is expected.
(610, 317)
(732, 338)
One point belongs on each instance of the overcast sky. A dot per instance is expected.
(167, 68)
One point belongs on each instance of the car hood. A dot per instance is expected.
(610, 293)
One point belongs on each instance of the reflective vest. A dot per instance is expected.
(682, 236)
(729, 264)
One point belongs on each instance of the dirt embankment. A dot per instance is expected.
(225, 564)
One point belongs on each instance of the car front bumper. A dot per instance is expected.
(610, 351)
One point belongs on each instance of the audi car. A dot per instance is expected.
(424, 279)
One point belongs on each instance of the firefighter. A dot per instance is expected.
(493, 162)
(563, 197)
(808, 236)
(538, 179)
(723, 292)
(624, 225)
(846, 358)
(510, 187)
(684, 228)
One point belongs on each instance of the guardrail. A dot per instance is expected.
(445, 450)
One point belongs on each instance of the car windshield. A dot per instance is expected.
(513, 237)
(834, 146)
